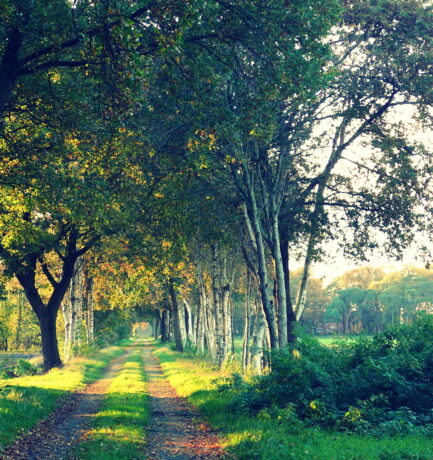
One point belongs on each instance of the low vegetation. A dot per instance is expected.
(26, 400)
(369, 399)
(118, 429)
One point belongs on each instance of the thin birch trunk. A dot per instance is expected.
(19, 321)
(189, 322)
(281, 287)
(257, 342)
(90, 310)
(67, 317)
(262, 267)
(199, 325)
(247, 317)
(291, 317)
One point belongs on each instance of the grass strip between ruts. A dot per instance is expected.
(118, 430)
(26, 400)
(251, 437)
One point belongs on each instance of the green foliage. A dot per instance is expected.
(273, 433)
(24, 367)
(381, 385)
(112, 326)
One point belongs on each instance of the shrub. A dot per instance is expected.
(382, 385)
(23, 367)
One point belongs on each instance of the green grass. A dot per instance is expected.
(118, 430)
(26, 400)
(249, 437)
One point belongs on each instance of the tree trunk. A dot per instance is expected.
(73, 304)
(200, 319)
(190, 334)
(19, 321)
(246, 340)
(291, 317)
(50, 349)
(66, 310)
(164, 328)
(281, 285)
(257, 343)
(262, 268)
(176, 317)
(90, 327)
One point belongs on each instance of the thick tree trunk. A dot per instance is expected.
(50, 349)
(47, 312)
(164, 326)
(176, 317)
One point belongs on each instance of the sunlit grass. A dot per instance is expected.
(332, 340)
(118, 430)
(251, 437)
(26, 400)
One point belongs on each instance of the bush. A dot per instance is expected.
(23, 367)
(382, 385)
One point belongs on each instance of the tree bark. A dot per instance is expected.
(164, 328)
(19, 321)
(281, 285)
(262, 268)
(257, 342)
(176, 317)
(291, 317)
(50, 348)
(247, 317)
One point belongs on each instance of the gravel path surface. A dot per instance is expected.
(176, 430)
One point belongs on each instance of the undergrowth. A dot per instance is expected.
(382, 386)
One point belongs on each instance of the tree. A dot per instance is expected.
(345, 308)
(106, 40)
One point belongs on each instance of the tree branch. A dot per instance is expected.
(50, 64)
(47, 273)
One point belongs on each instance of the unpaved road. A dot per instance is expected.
(175, 431)
(175, 428)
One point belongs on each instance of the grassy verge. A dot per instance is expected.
(262, 437)
(26, 400)
(118, 430)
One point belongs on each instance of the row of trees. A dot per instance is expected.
(197, 148)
